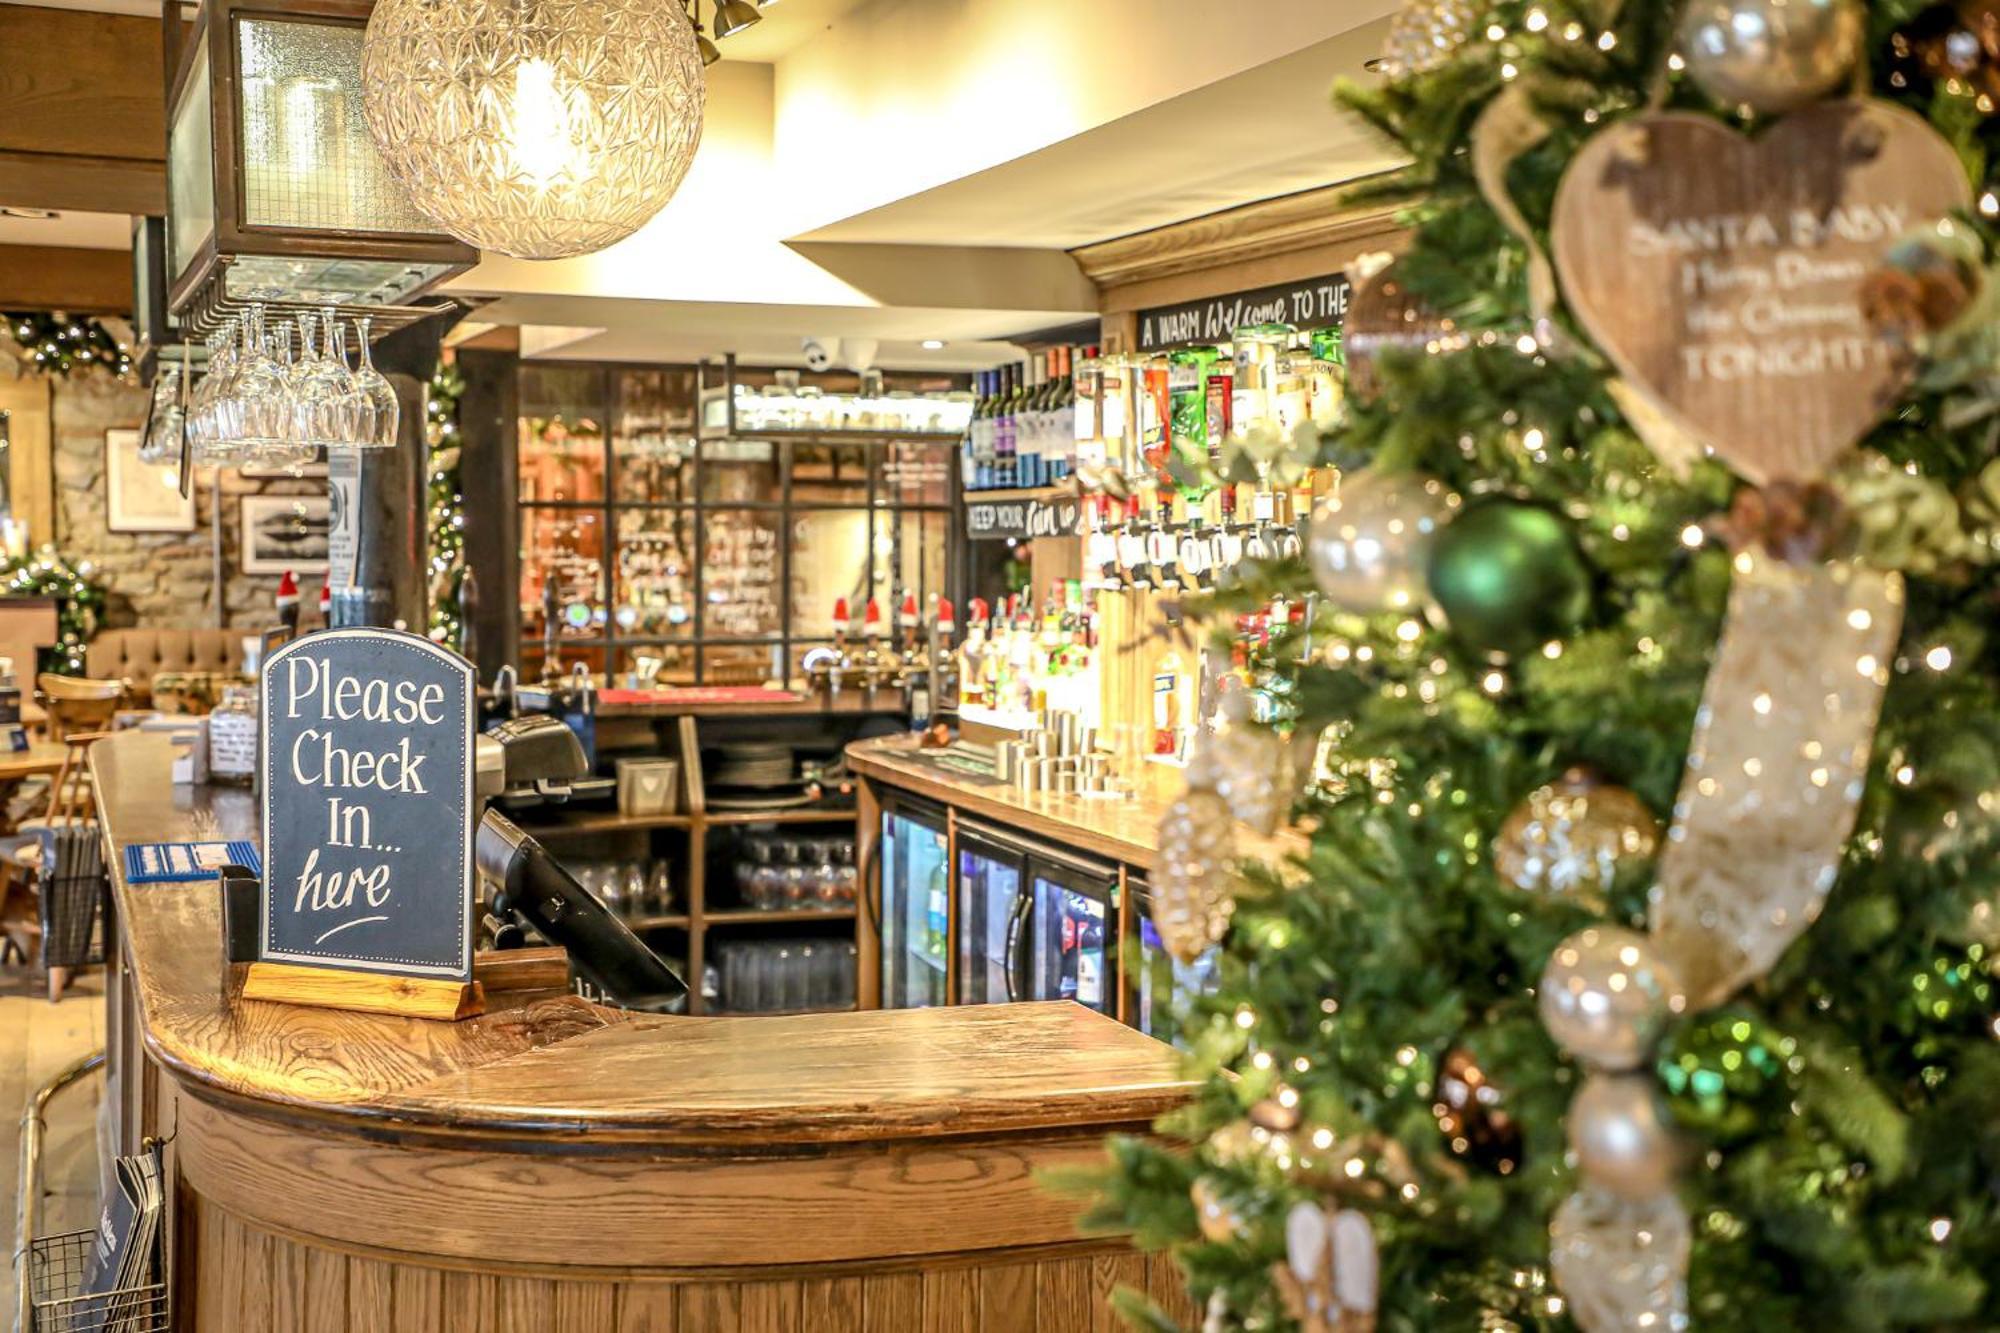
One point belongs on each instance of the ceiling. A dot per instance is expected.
(1268, 132)
(786, 26)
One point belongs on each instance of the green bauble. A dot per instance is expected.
(1727, 1075)
(1509, 577)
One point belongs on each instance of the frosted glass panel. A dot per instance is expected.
(190, 170)
(307, 159)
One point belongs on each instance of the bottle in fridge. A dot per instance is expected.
(914, 905)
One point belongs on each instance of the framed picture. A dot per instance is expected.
(142, 496)
(282, 532)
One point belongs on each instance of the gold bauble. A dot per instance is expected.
(1218, 1221)
(1572, 838)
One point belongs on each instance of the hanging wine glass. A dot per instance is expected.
(384, 413)
(163, 416)
(214, 416)
(285, 452)
(319, 389)
(260, 390)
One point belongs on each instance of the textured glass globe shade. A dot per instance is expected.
(537, 128)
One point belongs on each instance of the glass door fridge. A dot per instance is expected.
(916, 937)
(1068, 940)
(1162, 986)
(992, 872)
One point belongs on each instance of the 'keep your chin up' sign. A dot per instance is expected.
(368, 805)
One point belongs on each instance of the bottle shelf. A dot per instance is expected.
(750, 916)
(1061, 491)
(671, 921)
(737, 818)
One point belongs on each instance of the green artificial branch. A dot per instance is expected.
(445, 502)
(58, 344)
(79, 604)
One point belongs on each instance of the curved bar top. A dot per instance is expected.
(554, 1143)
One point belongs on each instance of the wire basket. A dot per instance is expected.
(56, 1268)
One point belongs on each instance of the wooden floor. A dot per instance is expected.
(36, 1039)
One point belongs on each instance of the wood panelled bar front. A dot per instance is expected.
(557, 1166)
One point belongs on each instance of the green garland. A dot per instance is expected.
(79, 603)
(58, 344)
(446, 505)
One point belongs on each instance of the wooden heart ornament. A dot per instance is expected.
(1723, 274)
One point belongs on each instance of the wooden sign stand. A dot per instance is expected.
(370, 992)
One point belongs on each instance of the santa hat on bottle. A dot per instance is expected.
(326, 600)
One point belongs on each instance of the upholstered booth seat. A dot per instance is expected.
(138, 655)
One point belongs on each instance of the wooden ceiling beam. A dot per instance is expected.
(83, 112)
(82, 282)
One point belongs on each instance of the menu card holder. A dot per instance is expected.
(370, 992)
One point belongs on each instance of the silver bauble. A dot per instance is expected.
(1621, 1141)
(1606, 994)
(1369, 542)
(1622, 1263)
(1771, 56)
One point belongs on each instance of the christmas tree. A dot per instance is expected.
(1640, 971)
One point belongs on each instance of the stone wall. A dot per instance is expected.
(162, 578)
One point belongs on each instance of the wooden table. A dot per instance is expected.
(557, 1166)
(40, 757)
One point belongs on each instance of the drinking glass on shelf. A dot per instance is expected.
(659, 890)
(633, 887)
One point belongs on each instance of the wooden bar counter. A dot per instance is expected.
(1124, 829)
(558, 1166)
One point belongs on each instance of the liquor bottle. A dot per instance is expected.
(1028, 424)
(972, 657)
(1050, 453)
(973, 454)
(1114, 408)
(1003, 430)
(1062, 411)
(989, 431)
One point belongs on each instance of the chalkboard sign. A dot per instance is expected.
(368, 804)
(995, 520)
(1316, 303)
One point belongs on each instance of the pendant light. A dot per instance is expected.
(733, 16)
(535, 128)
